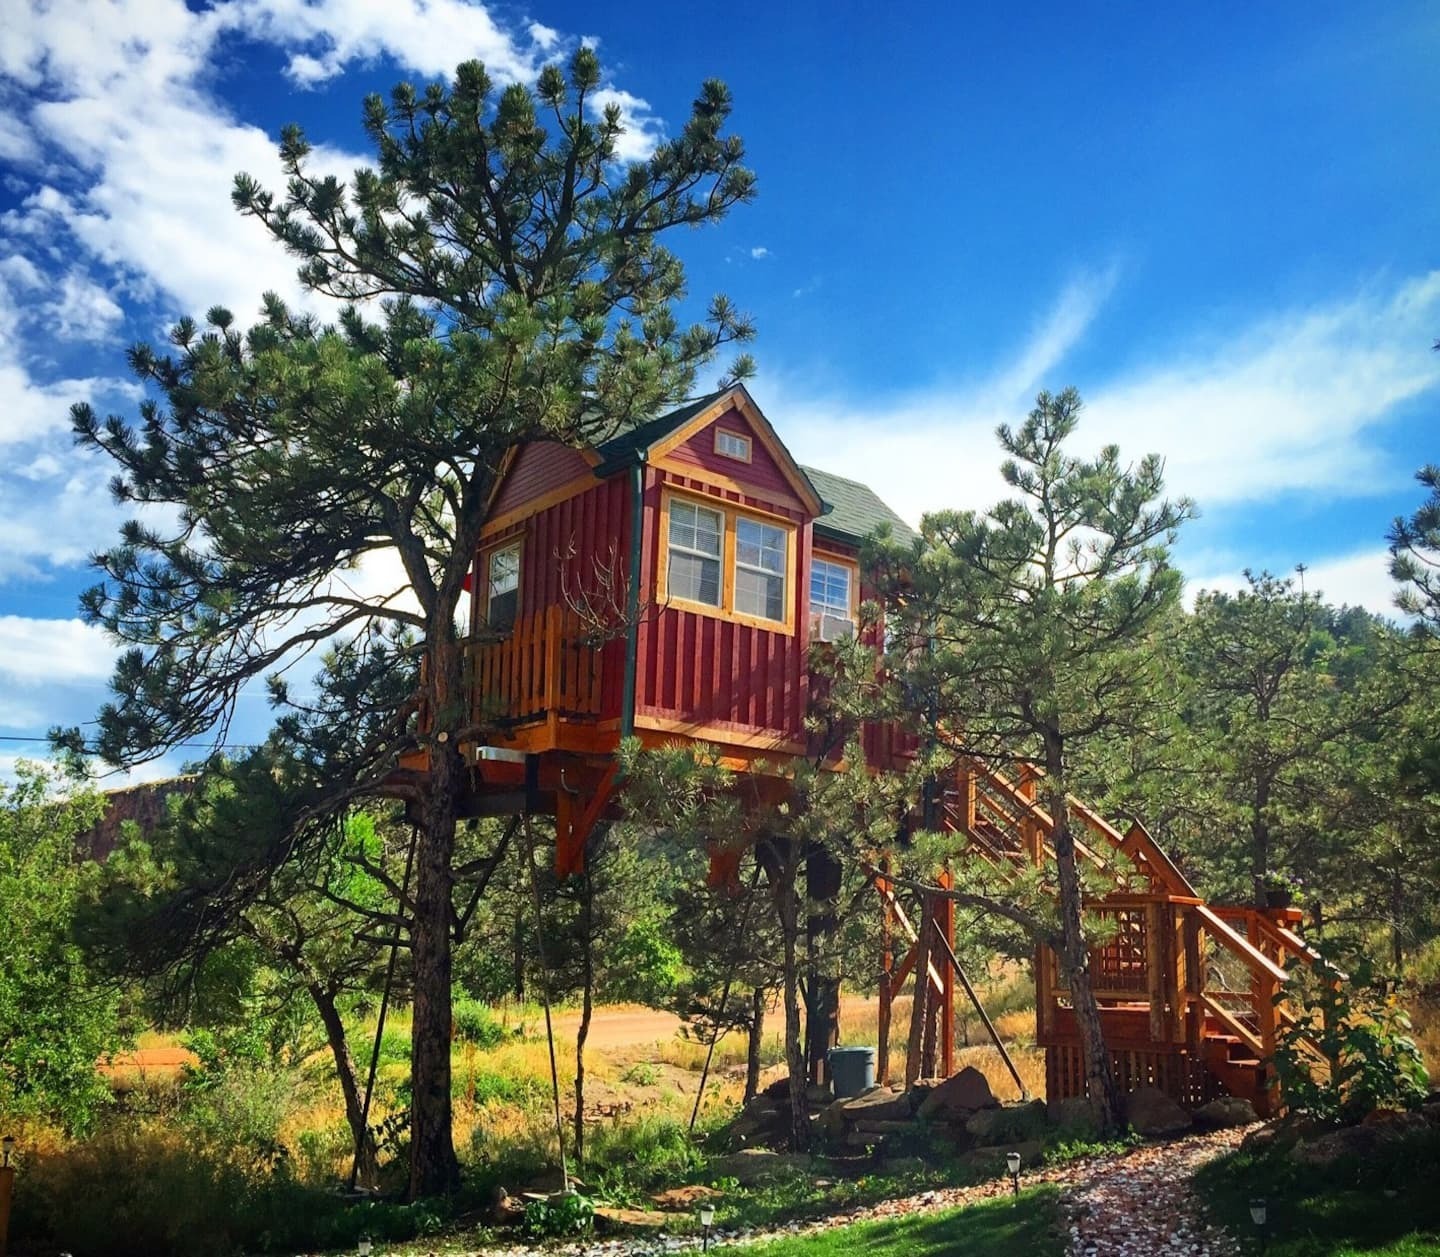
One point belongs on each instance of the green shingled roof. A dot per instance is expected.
(855, 511)
(622, 447)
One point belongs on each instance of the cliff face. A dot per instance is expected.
(143, 804)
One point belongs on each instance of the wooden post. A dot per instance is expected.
(946, 927)
(1156, 964)
(1175, 945)
(553, 646)
(1194, 984)
(887, 966)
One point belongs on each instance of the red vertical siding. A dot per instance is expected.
(538, 468)
(761, 472)
(704, 669)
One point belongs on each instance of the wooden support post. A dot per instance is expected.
(887, 965)
(1194, 984)
(946, 930)
(1157, 962)
(1174, 969)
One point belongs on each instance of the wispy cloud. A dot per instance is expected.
(759, 251)
(1357, 579)
(1291, 401)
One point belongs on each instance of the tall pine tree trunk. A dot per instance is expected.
(363, 1141)
(789, 912)
(755, 1039)
(822, 1025)
(920, 1004)
(1100, 1084)
(1260, 843)
(434, 1169)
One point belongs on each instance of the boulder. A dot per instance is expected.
(1077, 1117)
(1031, 1151)
(906, 1166)
(1152, 1113)
(755, 1165)
(880, 1104)
(1226, 1111)
(962, 1094)
(612, 1220)
(1013, 1123)
(868, 1127)
(684, 1199)
(505, 1209)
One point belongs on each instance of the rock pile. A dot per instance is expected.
(960, 1111)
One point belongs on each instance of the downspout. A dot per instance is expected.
(632, 596)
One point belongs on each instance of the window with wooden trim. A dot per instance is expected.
(832, 606)
(761, 551)
(697, 536)
(732, 445)
(728, 561)
(502, 587)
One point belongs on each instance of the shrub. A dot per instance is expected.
(1358, 1026)
(559, 1216)
(145, 1192)
(475, 1023)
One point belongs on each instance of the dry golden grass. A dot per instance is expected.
(1425, 1019)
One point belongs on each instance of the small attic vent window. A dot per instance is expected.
(732, 445)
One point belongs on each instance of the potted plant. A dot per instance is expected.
(1280, 890)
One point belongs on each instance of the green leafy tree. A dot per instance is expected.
(314, 929)
(57, 1016)
(1037, 620)
(504, 279)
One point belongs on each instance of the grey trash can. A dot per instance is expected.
(852, 1070)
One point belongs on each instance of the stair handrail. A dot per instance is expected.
(1256, 959)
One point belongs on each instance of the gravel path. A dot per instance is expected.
(1136, 1203)
(1141, 1205)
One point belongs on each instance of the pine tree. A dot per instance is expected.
(504, 279)
(1415, 555)
(1035, 617)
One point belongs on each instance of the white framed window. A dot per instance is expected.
(732, 445)
(760, 559)
(830, 588)
(697, 538)
(831, 593)
(502, 587)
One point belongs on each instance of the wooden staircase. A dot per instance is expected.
(1188, 990)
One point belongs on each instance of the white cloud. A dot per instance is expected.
(1286, 403)
(1358, 579)
(642, 130)
(431, 36)
(759, 251)
(48, 653)
(83, 310)
(927, 450)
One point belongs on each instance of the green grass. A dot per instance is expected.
(1028, 1225)
(1387, 1204)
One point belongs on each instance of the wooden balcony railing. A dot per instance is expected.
(546, 668)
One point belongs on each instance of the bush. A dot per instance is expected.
(559, 1216)
(151, 1193)
(1364, 1035)
(475, 1023)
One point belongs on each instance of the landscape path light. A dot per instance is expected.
(1260, 1216)
(1013, 1162)
(364, 1247)
(707, 1220)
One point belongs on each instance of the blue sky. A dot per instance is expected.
(1220, 222)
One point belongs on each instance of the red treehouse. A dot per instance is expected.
(667, 585)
